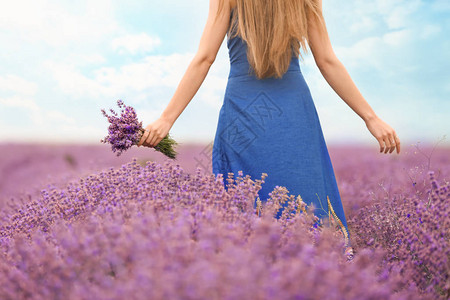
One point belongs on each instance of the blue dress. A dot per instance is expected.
(272, 126)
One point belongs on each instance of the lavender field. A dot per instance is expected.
(78, 222)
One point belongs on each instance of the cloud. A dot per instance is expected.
(20, 101)
(363, 23)
(135, 43)
(23, 98)
(21, 95)
(399, 38)
(59, 117)
(76, 133)
(38, 115)
(365, 52)
(58, 23)
(16, 84)
(85, 59)
(151, 72)
(72, 82)
(397, 14)
(430, 30)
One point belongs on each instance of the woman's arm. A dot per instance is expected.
(210, 42)
(340, 81)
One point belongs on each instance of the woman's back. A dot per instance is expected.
(271, 126)
(275, 30)
(239, 64)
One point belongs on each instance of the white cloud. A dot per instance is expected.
(365, 23)
(377, 51)
(38, 115)
(430, 30)
(372, 16)
(17, 84)
(135, 43)
(149, 114)
(212, 90)
(22, 97)
(72, 82)
(19, 101)
(85, 59)
(27, 104)
(59, 117)
(397, 12)
(151, 72)
(58, 25)
(397, 38)
(153, 78)
(365, 50)
(76, 133)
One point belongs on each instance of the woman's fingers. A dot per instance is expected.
(154, 140)
(150, 138)
(394, 143)
(391, 142)
(381, 142)
(385, 135)
(388, 147)
(146, 137)
(392, 146)
(143, 138)
(397, 142)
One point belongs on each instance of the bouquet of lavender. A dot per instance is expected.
(126, 131)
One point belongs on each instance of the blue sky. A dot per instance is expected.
(62, 61)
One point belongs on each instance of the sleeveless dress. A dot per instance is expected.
(272, 126)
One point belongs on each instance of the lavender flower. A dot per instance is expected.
(142, 230)
(126, 131)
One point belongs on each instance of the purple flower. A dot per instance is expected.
(125, 130)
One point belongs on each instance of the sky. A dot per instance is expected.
(63, 61)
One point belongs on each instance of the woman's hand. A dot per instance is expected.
(155, 132)
(384, 134)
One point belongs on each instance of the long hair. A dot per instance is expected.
(274, 30)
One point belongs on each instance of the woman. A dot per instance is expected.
(268, 122)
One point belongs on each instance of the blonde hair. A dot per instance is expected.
(273, 31)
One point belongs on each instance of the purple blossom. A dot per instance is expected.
(142, 230)
(124, 131)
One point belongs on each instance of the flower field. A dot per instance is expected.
(78, 222)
